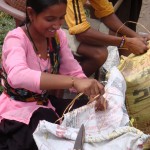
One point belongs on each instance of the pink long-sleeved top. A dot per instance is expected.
(24, 68)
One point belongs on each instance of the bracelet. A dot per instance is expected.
(122, 43)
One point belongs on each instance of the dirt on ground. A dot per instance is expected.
(144, 17)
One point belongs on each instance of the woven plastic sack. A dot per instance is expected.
(136, 70)
(103, 129)
(49, 136)
(103, 121)
(18, 4)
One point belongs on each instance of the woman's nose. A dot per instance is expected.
(57, 24)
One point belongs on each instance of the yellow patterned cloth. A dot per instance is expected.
(18, 4)
(76, 17)
(136, 70)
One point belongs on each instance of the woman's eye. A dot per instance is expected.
(55, 19)
(51, 19)
(62, 17)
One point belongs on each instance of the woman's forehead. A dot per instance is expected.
(55, 9)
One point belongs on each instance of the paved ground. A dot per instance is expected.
(144, 18)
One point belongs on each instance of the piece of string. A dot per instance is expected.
(69, 106)
(72, 103)
(92, 100)
(133, 23)
(78, 96)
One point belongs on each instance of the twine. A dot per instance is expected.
(72, 103)
(133, 23)
(69, 106)
(90, 101)
(123, 48)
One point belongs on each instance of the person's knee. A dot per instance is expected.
(96, 54)
(79, 37)
(100, 55)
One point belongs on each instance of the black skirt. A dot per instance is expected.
(15, 135)
(18, 136)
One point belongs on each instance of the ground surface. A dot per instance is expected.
(144, 18)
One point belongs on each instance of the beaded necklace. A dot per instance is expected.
(36, 49)
(24, 95)
(52, 51)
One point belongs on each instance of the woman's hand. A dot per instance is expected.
(89, 87)
(136, 45)
(101, 104)
(92, 88)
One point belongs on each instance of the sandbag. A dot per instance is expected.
(136, 70)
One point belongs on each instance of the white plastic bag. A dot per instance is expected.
(113, 58)
(103, 129)
(102, 121)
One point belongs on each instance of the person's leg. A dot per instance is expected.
(123, 12)
(129, 11)
(18, 136)
(134, 14)
(93, 57)
(15, 136)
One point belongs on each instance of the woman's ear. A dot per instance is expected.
(30, 13)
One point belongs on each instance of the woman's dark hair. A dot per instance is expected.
(40, 5)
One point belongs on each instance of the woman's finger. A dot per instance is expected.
(101, 104)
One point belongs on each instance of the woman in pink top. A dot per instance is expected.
(36, 59)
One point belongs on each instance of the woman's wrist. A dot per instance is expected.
(72, 87)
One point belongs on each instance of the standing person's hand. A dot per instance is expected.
(136, 45)
(146, 36)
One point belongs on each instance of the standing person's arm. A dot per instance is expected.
(79, 26)
(86, 34)
(75, 17)
(114, 23)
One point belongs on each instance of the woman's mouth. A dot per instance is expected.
(52, 31)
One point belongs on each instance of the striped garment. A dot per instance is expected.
(76, 17)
